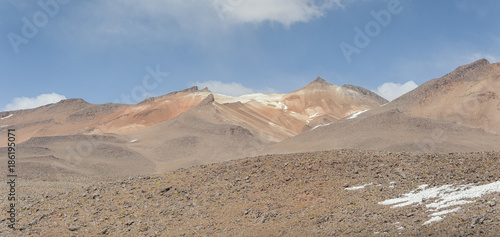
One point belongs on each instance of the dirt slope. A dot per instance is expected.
(201, 135)
(75, 116)
(78, 155)
(198, 136)
(390, 131)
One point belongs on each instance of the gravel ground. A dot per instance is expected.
(330, 193)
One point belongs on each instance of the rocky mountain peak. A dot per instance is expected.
(366, 92)
(473, 66)
(205, 90)
(191, 89)
(73, 101)
(320, 80)
(207, 101)
(469, 72)
(318, 83)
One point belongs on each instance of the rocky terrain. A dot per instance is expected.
(329, 193)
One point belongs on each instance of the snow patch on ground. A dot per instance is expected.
(6, 117)
(357, 114)
(358, 187)
(445, 212)
(3, 126)
(439, 199)
(433, 219)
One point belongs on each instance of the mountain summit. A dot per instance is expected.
(320, 80)
(318, 83)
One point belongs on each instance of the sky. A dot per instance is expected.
(124, 51)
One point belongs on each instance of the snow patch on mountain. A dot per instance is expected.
(322, 125)
(6, 117)
(357, 114)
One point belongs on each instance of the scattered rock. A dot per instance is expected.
(74, 228)
(322, 220)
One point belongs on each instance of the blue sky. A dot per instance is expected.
(105, 51)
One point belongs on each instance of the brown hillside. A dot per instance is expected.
(469, 96)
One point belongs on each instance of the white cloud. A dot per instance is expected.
(476, 56)
(285, 12)
(19, 103)
(391, 90)
(231, 89)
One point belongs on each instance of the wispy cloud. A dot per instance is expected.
(391, 90)
(19, 103)
(103, 22)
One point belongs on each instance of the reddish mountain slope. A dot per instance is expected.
(275, 117)
(75, 116)
(201, 135)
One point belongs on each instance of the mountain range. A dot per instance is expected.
(457, 112)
